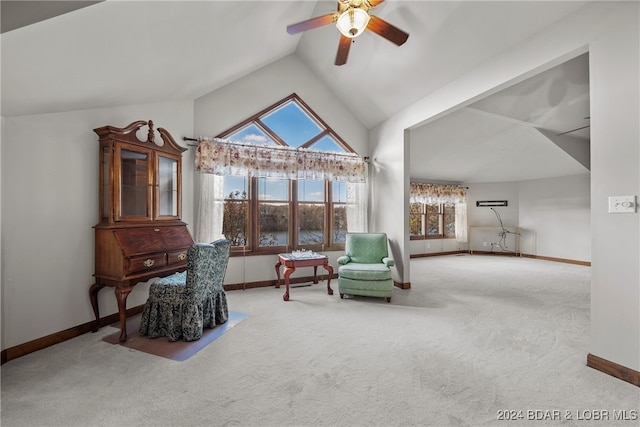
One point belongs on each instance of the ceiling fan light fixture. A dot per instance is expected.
(352, 22)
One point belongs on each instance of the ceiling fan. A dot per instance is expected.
(352, 18)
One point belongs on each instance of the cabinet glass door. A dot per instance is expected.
(168, 187)
(133, 200)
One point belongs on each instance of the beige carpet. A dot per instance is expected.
(474, 337)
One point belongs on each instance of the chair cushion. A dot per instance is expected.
(366, 248)
(173, 280)
(366, 272)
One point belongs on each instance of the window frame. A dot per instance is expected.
(443, 219)
(253, 233)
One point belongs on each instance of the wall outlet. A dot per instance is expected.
(484, 243)
(622, 204)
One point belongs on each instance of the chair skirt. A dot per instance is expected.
(170, 312)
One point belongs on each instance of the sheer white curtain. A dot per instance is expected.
(210, 208)
(357, 207)
(461, 222)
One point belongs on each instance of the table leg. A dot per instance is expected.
(121, 297)
(330, 272)
(315, 274)
(278, 273)
(287, 273)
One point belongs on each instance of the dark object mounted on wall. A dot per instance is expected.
(491, 203)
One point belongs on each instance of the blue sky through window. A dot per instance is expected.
(252, 134)
(273, 189)
(327, 143)
(310, 190)
(233, 184)
(292, 124)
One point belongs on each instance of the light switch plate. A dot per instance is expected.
(622, 204)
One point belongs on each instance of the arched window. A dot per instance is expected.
(270, 215)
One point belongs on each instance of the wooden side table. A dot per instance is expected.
(291, 262)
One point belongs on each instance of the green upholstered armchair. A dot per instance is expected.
(180, 306)
(364, 268)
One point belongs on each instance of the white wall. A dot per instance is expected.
(435, 246)
(49, 206)
(478, 218)
(221, 109)
(609, 32)
(555, 215)
(614, 67)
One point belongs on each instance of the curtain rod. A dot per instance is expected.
(186, 138)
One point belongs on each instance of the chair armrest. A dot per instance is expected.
(344, 259)
(388, 261)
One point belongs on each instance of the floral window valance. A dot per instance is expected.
(437, 193)
(222, 157)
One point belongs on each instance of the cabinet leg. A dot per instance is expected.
(93, 296)
(121, 297)
(278, 273)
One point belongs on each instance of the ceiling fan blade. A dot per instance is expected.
(343, 50)
(386, 30)
(374, 3)
(312, 23)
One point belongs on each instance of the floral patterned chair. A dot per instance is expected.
(365, 267)
(180, 306)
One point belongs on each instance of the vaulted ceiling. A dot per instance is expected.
(114, 53)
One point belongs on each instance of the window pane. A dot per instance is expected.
(235, 222)
(339, 223)
(273, 189)
(433, 220)
(415, 219)
(449, 220)
(274, 224)
(251, 134)
(311, 223)
(310, 190)
(292, 124)
(415, 208)
(235, 187)
(327, 143)
(339, 191)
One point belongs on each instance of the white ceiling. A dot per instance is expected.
(519, 133)
(117, 53)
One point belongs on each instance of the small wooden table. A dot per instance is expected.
(291, 262)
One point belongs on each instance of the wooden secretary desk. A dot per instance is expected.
(140, 234)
